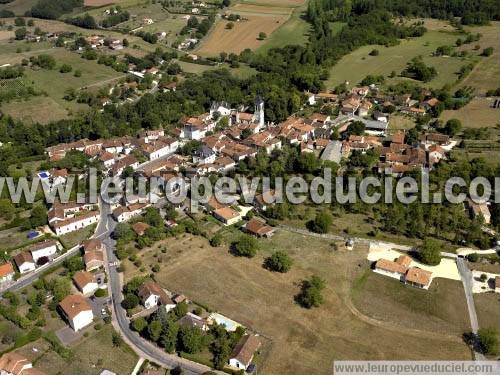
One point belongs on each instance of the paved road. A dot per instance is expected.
(142, 347)
(466, 276)
(31, 277)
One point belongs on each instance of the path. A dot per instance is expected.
(466, 276)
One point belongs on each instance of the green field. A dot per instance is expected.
(358, 64)
(294, 31)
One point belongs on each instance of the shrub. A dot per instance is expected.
(279, 261)
(246, 246)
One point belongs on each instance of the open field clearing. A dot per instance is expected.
(477, 114)
(303, 341)
(243, 35)
(442, 308)
(294, 31)
(19, 7)
(486, 74)
(91, 356)
(260, 9)
(358, 64)
(401, 122)
(40, 109)
(98, 3)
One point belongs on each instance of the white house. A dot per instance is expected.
(75, 223)
(43, 249)
(122, 214)
(205, 155)
(243, 353)
(77, 311)
(152, 294)
(85, 282)
(13, 363)
(24, 261)
(155, 149)
(227, 215)
(6, 272)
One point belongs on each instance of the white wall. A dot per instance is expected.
(82, 320)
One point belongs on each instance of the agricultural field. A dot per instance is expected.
(487, 309)
(358, 64)
(245, 33)
(19, 7)
(486, 74)
(294, 31)
(476, 114)
(297, 345)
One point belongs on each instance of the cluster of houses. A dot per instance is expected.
(401, 269)
(98, 42)
(153, 296)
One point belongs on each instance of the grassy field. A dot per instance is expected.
(19, 7)
(401, 122)
(294, 31)
(358, 64)
(243, 35)
(40, 109)
(440, 309)
(477, 114)
(91, 356)
(303, 341)
(487, 307)
(279, 3)
(486, 74)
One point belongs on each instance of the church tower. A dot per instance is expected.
(259, 111)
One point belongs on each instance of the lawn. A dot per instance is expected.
(401, 122)
(303, 341)
(487, 308)
(440, 309)
(358, 64)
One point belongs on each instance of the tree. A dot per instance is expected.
(229, 25)
(20, 33)
(246, 246)
(374, 52)
(262, 35)
(7, 209)
(190, 339)
(453, 127)
(310, 295)
(139, 324)
(308, 162)
(65, 68)
(279, 261)
(489, 340)
(123, 232)
(38, 216)
(19, 21)
(216, 240)
(487, 51)
(356, 128)
(31, 23)
(430, 253)
(226, 3)
(154, 330)
(77, 73)
(130, 301)
(321, 223)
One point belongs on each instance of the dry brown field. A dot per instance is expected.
(302, 340)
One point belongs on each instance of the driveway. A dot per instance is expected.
(67, 336)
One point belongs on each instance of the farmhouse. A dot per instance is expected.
(77, 311)
(45, 249)
(418, 277)
(93, 260)
(227, 215)
(85, 282)
(13, 363)
(75, 223)
(395, 269)
(122, 214)
(243, 352)
(24, 262)
(152, 294)
(480, 210)
(258, 229)
(6, 272)
(140, 228)
(93, 244)
(193, 320)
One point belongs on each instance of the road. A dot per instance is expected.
(466, 276)
(141, 346)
